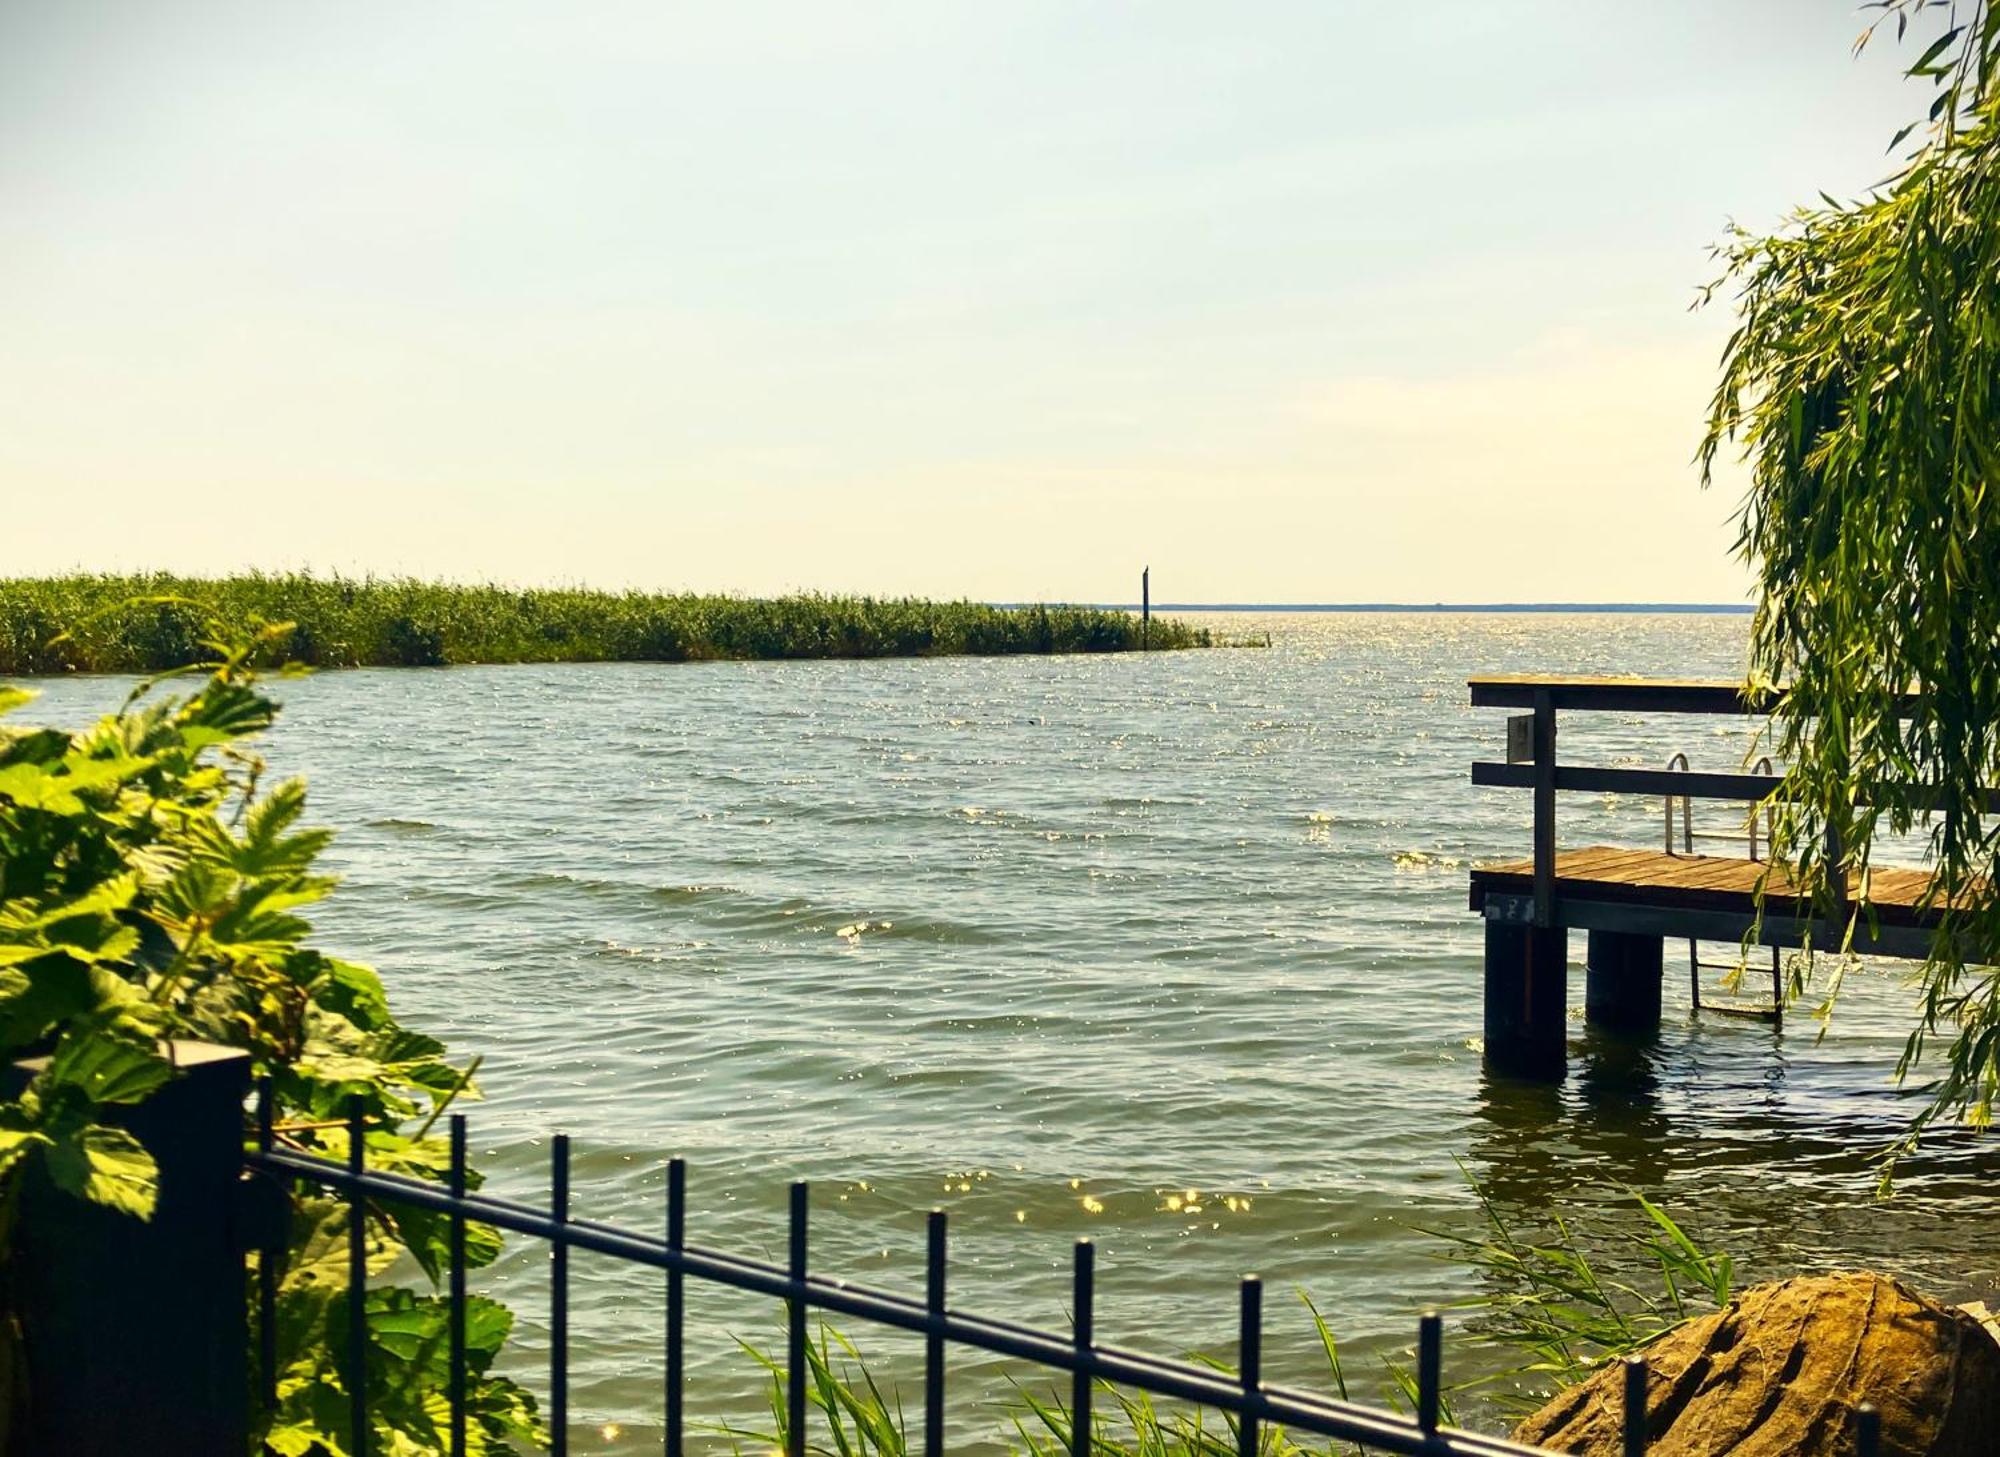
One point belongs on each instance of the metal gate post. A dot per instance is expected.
(135, 1332)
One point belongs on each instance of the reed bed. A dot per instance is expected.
(146, 623)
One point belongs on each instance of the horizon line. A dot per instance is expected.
(1737, 608)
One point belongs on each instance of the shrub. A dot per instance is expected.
(151, 887)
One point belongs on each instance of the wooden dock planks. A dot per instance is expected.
(1667, 881)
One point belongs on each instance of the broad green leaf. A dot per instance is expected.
(299, 1439)
(32, 787)
(93, 771)
(106, 1069)
(224, 711)
(112, 894)
(56, 987)
(17, 1142)
(344, 1071)
(426, 1234)
(401, 1045)
(319, 1253)
(354, 991)
(106, 1166)
(47, 990)
(161, 898)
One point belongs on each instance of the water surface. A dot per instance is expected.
(1171, 951)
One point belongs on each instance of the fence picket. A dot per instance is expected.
(559, 1299)
(1635, 1406)
(676, 1299)
(795, 1329)
(270, 1263)
(358, 1433)
(1430, 1369)
(457, 1186)
(1241, 1395)
(1249, 1360)
(1084, 1319)
(934, 1254)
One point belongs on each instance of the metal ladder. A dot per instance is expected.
(1689, 834)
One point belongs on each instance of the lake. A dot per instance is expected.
(1170, 950)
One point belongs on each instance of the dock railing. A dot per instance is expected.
(1538, 769)
(1628, 899)
(1545, 697)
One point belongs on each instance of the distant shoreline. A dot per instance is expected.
(1726, 608)
(145, 623)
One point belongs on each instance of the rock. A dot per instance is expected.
(1779, 1371)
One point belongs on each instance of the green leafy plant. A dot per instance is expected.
(1862, 384)
(151, 887)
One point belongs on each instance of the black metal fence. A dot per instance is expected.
(1250, 1406)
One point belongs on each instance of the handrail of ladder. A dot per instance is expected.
(1679, 763)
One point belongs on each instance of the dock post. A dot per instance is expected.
(1622, 981)
(1527, 999)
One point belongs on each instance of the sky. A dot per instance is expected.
(1313, 302)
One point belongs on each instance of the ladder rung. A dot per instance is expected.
(1765, 1012)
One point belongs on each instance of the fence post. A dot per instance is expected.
(135, 1332)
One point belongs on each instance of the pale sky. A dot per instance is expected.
(1293, 301)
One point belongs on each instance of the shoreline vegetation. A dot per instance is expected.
(144, 623)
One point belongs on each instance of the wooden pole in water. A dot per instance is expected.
(1145, 608)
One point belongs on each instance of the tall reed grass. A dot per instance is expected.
(146, 623)
(1542, 1299)
(852, 1413)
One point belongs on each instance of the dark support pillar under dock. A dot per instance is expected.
(1622, 983)
(1527, 996)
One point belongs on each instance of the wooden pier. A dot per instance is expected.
(1631, 901)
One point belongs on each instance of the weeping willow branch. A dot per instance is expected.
(1862, 386)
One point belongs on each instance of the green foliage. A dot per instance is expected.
(844, 1396)
(854, 1417)
(1547, 1300)
(138, 624)
(1136, 1427)
(1863, 385)
(151, 888)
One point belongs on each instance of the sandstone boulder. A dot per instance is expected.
(1779, 1372)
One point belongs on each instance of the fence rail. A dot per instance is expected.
(1242, 1395)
